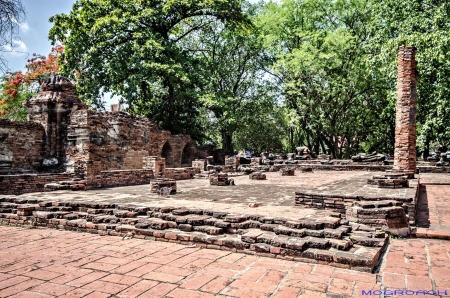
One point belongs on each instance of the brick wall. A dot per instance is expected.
(21, 145)
(181, 173)
(26, 183)
(122, 141)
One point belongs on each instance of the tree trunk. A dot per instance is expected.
(291, 139)
(227, 142)
(426, 151)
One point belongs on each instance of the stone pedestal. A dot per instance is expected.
(405, 118)
(160, 184)
(156, 164)
(199, 164)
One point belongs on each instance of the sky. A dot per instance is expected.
(34, 34)
(34, 31)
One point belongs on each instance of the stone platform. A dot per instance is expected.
(321, 237)
(341, 194)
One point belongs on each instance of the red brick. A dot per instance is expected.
(418, 283)
(52, 289)
(341, 286)
(129, 267)
(311, 294)
(19, 287)
(287, 292)
(12, 281)
(238, 292)
(138, 272)
(42, 274)
(323, 270)
(98, 295)
(174, 270)
(354, 276)
(304, 284)
(160, 290)
(183, 293)
(106, 287)
(362, 286)
(28, 294)
(196, 281)
(76, 293)
(302, 267)
(216, 285)
(138, 289)
(81, 281)
(164, 277)
(121, 279)
(100, 266)
(394, 281)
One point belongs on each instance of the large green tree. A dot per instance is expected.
(135, 49)
(319, 58)
(423, 24)
(236, 89)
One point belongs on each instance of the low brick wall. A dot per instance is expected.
(433, 169)
(340, 203)
(120, 178)
(181, 173)
(26, 183)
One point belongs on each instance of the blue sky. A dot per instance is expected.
(34, 34)
(34, 31)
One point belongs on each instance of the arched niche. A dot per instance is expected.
(188, 154)
(167, 153)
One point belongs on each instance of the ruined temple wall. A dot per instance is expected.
(21, 145)
(121, 141)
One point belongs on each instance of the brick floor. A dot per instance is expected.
(46, 263)
(433, 210)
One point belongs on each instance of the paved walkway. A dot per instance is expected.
(434, 207)
(52, 263)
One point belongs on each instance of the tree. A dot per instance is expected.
(18, 87)
(134, 49)
(321, 63)
(234, 63)
(12, 13)
(423, 24)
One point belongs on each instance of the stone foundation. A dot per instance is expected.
(156, 185)
(324, 239)
(257, 176)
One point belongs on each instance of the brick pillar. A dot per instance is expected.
(405, 117)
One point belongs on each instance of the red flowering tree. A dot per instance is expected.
(18, 86)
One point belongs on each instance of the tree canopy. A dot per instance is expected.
(134, 49)
(262, 76)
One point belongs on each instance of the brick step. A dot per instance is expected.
(189, 219)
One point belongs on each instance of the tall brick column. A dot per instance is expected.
(405, 118)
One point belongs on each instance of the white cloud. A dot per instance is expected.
(18, 48)
(24, 27)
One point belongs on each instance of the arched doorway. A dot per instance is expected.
(188, 155)
(167, 153)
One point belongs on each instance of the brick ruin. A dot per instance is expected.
(63, 140)
(405, 117)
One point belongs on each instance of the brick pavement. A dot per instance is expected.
(52, 263)
(433, 210)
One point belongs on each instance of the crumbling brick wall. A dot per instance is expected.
(21, 145)
(26, 183)
(122, 141)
